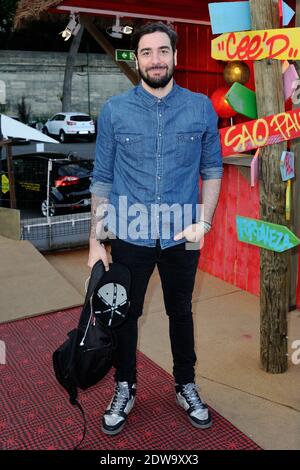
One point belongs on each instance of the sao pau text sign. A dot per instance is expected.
(265, 234)
(260, 132)
(280, 44)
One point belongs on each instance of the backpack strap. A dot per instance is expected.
(96, 274)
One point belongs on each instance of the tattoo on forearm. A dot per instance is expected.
(210, 196)
(98, 208)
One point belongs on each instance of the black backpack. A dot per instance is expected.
(87, 355)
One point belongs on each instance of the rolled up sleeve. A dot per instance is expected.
(103, 173)
(211, 166)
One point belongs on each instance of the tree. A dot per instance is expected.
(7, 11)
(67, 85)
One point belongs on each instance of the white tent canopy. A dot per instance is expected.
(12, 128)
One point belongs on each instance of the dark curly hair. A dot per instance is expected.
(149, 28)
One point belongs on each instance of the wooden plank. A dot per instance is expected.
(231, 240)
(239, 160)
(253, 281)
(109, 49)
(242, 249)
(281, 44)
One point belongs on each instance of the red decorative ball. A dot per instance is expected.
(220, 104)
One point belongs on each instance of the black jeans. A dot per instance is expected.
(177, 269)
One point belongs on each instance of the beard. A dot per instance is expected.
(158, 82)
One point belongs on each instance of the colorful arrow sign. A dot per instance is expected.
(260, 132)
(242, 100)
(255, 45)
(226, 17)
(265, 234)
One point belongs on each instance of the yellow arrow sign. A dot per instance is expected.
(283, 44)
(4, 184)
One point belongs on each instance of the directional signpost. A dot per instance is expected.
(278, 44)
(258, 39)
(260, 132)
(123, 55)
(266, 235)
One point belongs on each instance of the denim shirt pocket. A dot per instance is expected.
(188, 147)
(130, 145)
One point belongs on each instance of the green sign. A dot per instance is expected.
(265, 235)
(123, 55)
(242, 100)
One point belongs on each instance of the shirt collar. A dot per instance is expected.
(151, 100)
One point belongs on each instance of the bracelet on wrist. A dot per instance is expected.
(206, 225)
(204, 222)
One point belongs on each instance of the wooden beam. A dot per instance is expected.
(274, 267)
(109, 49)
(11, 178)
(295, 225)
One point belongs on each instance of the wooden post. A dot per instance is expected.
(11, 179)
(109, 49)
(295, 225)
(274, 267)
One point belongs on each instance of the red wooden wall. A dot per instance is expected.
(196, 69)
(222, 255)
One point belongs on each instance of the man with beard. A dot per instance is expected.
(153, 143)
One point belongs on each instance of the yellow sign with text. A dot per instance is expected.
(4, 184)
(281, 44)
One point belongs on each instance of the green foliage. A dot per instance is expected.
(7, 12)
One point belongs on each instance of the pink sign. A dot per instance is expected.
(254, 169)
(289, 76)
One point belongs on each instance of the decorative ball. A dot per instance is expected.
(220, 104)
(236, 71)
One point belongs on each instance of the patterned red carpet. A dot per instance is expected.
(36, 414)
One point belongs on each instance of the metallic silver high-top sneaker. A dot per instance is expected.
(187, 397)
(121, 404)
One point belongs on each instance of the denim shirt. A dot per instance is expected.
(150, 153)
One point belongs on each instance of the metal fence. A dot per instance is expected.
(57, 232)
(34, 185)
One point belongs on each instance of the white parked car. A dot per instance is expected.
(66, 125)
